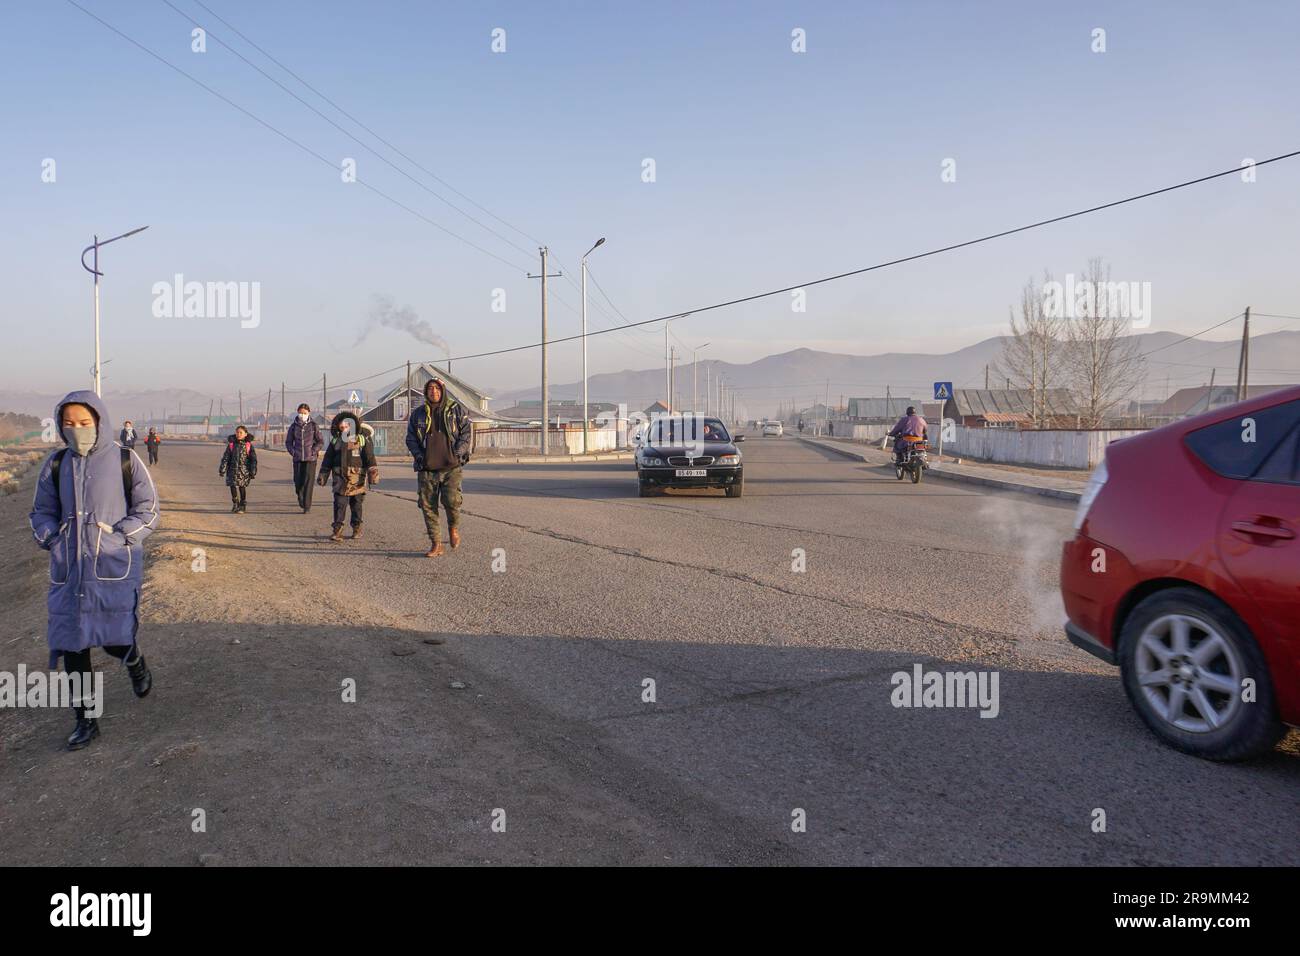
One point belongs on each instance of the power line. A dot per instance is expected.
(1192, 336)
(285, 136)
(718, 305)
(381, 139)
(920, 255)
(345, 132)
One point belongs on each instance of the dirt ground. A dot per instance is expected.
(247, 723)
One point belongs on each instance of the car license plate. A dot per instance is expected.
(692, 473)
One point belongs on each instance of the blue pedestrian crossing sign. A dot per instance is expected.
(942, 391)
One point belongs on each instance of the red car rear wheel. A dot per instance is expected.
(1186, 659)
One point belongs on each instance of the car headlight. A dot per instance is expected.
(727, 460)
(649, 462)
(1095, 482)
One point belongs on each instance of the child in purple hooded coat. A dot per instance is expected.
(94, 505)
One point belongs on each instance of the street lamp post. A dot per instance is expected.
(695, 377)
(585, 416)
(95, 270)
(668, 374)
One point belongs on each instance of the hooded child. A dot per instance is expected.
(95, 503)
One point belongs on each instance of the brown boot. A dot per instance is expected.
(356, 532)
(454, 535)
(338, 533)
(435, 551)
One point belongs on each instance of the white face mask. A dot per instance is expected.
(303, 416)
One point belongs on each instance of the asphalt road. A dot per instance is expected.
(771, 685)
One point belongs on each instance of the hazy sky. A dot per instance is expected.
(772, 167)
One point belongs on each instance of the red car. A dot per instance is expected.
(1184, 570)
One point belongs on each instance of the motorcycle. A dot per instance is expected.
(914, 458)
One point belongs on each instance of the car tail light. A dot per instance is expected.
(1095, 482)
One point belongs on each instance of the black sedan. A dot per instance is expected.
(682, 452)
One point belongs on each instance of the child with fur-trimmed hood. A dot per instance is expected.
(350, 462)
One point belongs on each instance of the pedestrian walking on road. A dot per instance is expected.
(95, 566)
(239, 465)
(151, 443)
(350, 459)
(438, 436)
(303, 442)
(127, 436)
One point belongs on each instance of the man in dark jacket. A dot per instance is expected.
(439, 436)
(303, 443)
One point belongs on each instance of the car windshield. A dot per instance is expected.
(679, 429)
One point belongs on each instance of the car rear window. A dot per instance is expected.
(1284, 463)
(1244, 446)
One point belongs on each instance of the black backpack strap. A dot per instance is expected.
(127, 479)
(55, 461)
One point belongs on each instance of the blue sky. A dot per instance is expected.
(772, 168)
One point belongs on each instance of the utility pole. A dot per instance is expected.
(207, 424)
(324, 402)
(546, 383)
(407, 394)
(1243, 360)
(266, 422)
(708, 390)
(284, 424)
(241, 406)
(986, 378)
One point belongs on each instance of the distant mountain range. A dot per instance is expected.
(806, 377)
(800, 376)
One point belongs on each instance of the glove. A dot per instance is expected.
(419, 464)
(373, 476)
(324, 475)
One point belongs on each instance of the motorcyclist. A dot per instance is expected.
(911, 424)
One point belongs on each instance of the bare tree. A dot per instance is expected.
(1033, 354)
(1103, 364)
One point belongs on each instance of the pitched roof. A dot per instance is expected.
(982, 401)
(891, 407)
(1200, 398)
(472, 398)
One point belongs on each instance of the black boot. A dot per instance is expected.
(141, 677)
(87, 729)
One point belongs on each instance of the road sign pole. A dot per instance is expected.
(942, 393)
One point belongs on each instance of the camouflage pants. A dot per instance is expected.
(440, 484)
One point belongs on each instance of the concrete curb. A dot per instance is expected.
(943, 473)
